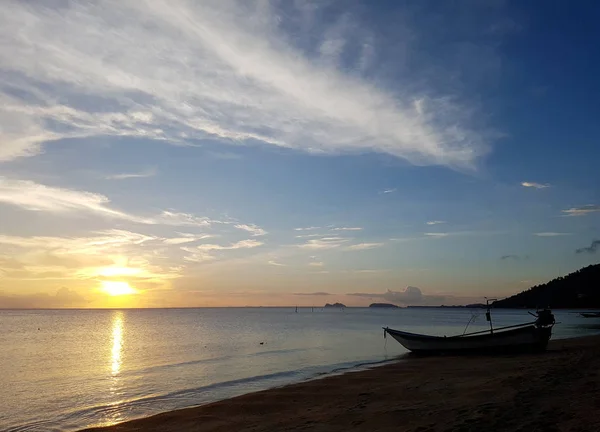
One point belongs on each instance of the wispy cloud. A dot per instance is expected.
(581, 211)
(275, 263)
(310, 235)
(550, 234)
(243, 244)
(436, 222)
(437, 234)
(316, 264)
(246, 80)
(33, 196)
(591, 249)
(98, 242)
(205, 252)
(346, 229)
(387, 191)
(324, 243)
(312, 228)
(186, 238)
(124, 176)
(252, 229)
(318, 293)
(535, 185)
(364, 246)
(460, 233)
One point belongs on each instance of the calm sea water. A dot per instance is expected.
(66, 370)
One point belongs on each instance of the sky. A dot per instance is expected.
(232, 153)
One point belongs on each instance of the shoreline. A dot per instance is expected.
(556, 390)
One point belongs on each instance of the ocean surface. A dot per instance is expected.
(70, 369)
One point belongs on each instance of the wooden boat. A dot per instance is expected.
(590, 314)
(532, 337)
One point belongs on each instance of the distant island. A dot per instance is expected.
(469, 306)
(580, 289)
(383, 305)
(335, 305)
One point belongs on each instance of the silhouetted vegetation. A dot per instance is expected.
(383, 305)
(335, 305)
(580, 289)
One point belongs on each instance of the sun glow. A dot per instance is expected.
(114, 288)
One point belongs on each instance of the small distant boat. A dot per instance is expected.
(590, 314)
(530, 337)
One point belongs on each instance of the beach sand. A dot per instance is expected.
(553, 391)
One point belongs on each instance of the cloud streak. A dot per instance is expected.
(37, 197)
(582, 211)
(117, 68)
(324, 243)
(125, 176)
(535, 185)
(435, 222)
(364, 246)
(252, 229)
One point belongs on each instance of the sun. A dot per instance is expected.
(114, 288)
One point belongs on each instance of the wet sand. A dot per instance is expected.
(553, 391)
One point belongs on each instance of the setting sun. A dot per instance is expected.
(117, 288)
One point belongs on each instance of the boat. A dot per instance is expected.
(590, 314)
(527, 337)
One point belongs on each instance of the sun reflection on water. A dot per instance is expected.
(113, 414)
(117, 342)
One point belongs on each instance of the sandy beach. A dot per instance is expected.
(554, 391)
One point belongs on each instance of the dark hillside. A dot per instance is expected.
(580, 289)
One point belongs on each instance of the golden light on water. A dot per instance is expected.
(117, 288)
(117, 342)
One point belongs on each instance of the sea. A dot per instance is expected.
(64, 370)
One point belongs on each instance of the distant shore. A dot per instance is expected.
(557, 390)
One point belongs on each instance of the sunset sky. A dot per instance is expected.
(230, 153)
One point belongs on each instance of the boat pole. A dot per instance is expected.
(488, 314)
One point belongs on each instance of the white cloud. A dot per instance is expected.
(439, 234)
(316, 264)
(535, 185)
(252, 229)
(275, 263)
(310, 235)
(436, 222)
(582, 211)
(312, 228)
(117, 68)
(388, 191)
(98, 243)
(347, 229)
(186, 238)
(324, 243)
(202, 253)
(124, 176)
(33, 196)
(364, 246)
(243, 244)
(37, 197)
(550, 234)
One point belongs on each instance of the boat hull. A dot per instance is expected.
(529, 338)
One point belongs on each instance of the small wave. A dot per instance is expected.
(213, 360)
(104, 414)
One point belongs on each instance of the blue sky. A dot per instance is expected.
(270, 153)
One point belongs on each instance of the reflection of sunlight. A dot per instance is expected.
(117, 342)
